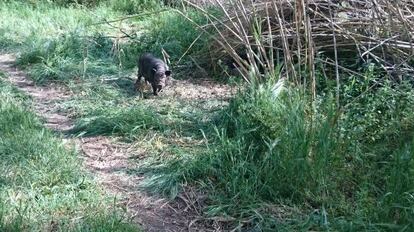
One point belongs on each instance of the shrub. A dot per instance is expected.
(135, 6)
(275, 149)
(378, 109)
(69, 56)
(169, 31)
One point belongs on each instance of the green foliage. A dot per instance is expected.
(134, 6)
(273, 150)
(397, 203)
(119, 121)
(379, 109)
(88, 3)
(63, 44)
(69, 57)
(272, 161)
(42, 186)
(173, 33)
(57, 43)
(25, 25)
(76, 2)
(170, 31)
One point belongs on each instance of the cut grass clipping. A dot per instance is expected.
(118, 121)
(42, 186)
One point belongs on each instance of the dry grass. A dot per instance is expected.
(259, 34)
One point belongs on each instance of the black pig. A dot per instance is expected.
(154, 70)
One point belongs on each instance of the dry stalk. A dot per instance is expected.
(250, 32)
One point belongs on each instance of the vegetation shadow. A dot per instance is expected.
(125, 85)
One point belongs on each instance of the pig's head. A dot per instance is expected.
(161, 78)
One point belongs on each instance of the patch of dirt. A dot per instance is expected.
(108, 159)
(192, 90)
(45, 99)
(201, 89)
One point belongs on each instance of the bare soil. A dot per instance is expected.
(108, 159)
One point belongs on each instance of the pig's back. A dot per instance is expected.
(147, 62)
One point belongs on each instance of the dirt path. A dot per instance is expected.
(107, 159)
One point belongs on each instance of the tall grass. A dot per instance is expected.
(135, 6)
(24, 24)
(279, 159)
(268, 135)
(42, 184)
(57, 43)
(185, 47)
(76, 43)
(340, 158)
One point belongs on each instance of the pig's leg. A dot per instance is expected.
(139, 86)
(138, 81)
(154, 89)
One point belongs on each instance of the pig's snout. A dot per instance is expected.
(160, 83)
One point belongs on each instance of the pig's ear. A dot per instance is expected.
(168, 73)
(154, 70)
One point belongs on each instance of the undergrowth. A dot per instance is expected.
(75, 43)
(42, 184)
(273, 159)
(119, 121)
(281, 160)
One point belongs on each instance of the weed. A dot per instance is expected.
(59, 43)
(171, 32)
(42, 185)
(270, 160)
(79, 45)
(134, 6)
(279, 149)
(116, 121)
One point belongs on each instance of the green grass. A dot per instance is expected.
(131, 118)
(42, 184)
(67, 44)
(119, 121)
(277, 162)
(26, 25)
(134, 6)
(266, 161)
(58, 44)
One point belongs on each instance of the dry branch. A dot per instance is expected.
(254, 33)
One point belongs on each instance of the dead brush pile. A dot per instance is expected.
(258, 34)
